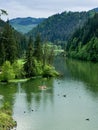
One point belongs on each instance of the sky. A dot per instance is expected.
(44, 8)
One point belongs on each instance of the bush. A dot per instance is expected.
(49, 71)
(18, 69)
(38, 68)
(6, 120)
(7, 72)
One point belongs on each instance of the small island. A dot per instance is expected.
(35, 61)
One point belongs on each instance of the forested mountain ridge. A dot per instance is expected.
(24, 25)
(84, 42)
(60, 27)
(94, 10)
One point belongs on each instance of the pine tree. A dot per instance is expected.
(2, 53)
(29, 63)
(9, 42)
(38, 48)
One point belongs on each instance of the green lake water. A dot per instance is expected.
(68, 103)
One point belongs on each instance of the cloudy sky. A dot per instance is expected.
(44, 8)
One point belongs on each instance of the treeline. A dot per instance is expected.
(36, 56)
(39, 59)
(84, 42)
(12, 43)
(58, 28)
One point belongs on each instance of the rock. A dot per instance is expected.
(64, 95)
(43, 87)
(87, 119)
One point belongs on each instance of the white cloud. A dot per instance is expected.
(44, 8)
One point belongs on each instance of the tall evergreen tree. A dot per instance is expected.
(29, 63)
(9, 43)
(38, 48)
(2, 53)
(48, 54)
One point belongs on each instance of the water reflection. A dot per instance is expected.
(30, 90)
(86, 72)
(49, 109)
(7, 91)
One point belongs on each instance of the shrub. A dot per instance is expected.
(7, 72)
(18, 69)
(49, 71)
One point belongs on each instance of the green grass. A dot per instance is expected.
(6, 120)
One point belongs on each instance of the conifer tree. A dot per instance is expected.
(38, 48)
(2, 53)
(29, 63)
(9, 43)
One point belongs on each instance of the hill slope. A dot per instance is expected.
(60, 27)
(24, 25)
(2, 23)
(20, 39)
(84, 42)
(94, 10)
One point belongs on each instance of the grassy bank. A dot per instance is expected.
(18, 80)
(6, 120)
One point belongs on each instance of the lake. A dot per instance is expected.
(69, 102)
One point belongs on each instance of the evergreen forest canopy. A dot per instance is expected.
(84, 42)
(59, 28)
(11, 41)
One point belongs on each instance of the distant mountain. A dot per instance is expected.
(2, 23)
(95, 10)
(24, 25)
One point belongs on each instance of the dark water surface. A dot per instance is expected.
(68, 103)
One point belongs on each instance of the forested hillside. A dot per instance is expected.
(21, 57)
(84, 42)
(24, 25)
(2, 23)
(58, 28)
(12, 43)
